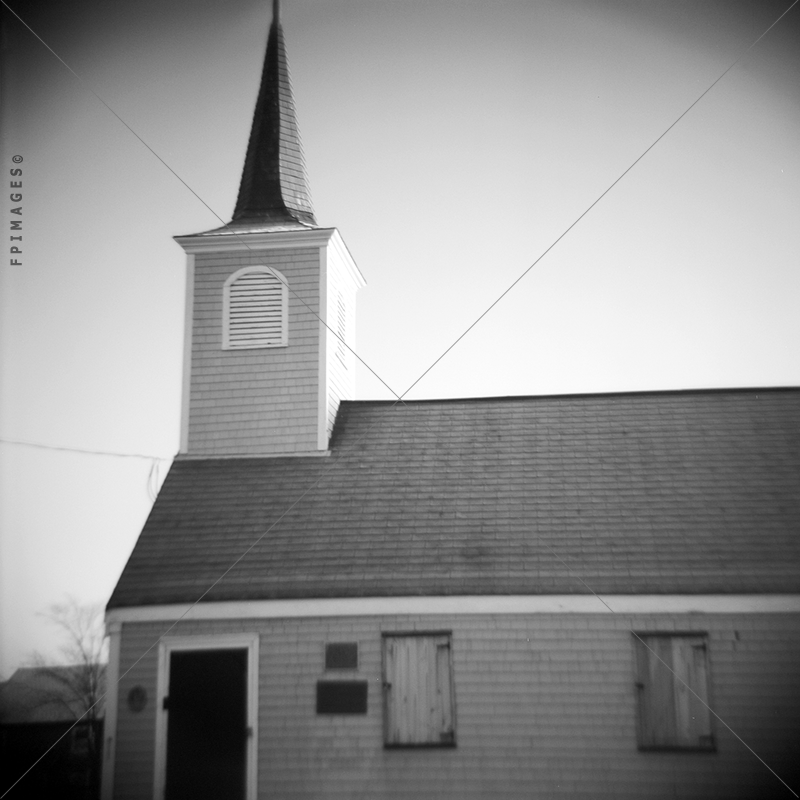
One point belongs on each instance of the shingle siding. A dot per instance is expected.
(252, 402)
(135, 746)
(340, 373)
(545, 707)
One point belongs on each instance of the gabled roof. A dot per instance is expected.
(674, 492)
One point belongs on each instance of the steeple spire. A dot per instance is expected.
(274, 187)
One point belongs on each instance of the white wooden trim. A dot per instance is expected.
(232, 240)
(345, 259)
(216, 457)
(267, 240)
(114, 630)
(323, 379)
(223, 641)
(188, 328)
(458, 605)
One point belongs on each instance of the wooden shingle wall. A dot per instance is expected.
(545, 707)
(341, 363)
(262, 401)
(135, 758)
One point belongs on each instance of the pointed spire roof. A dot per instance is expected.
(274, 187)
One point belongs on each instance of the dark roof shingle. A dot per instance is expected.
(670, 492)
(274, 186)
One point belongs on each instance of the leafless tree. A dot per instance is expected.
(83, 656)
(53, 691)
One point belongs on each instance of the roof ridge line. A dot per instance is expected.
(565, 395)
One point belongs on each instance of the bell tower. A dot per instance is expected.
(270, 301)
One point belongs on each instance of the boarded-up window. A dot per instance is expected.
(672, 688)
(418, 691)
(255, 309)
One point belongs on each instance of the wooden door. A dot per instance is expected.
(207, 725)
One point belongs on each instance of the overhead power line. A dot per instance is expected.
(85, 451)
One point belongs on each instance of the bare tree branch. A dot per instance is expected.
(83, 653)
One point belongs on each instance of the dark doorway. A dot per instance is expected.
(207, 725)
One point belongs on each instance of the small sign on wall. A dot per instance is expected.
(341, 655)
(341, 697)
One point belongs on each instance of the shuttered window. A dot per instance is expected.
(255, 309)
(341, 330)
(418, 691)
(672, 689)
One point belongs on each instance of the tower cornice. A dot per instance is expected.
(230, 239)
(226, 240)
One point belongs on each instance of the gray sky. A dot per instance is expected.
(451, 143)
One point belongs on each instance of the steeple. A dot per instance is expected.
(270, 303)
(274, 187)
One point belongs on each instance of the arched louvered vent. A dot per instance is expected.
(255, 309)
(341, 330)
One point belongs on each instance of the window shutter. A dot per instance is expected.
(443, 707)
(418, 689)
(693, 719)
(655, 684)
(255, 309)
(672, 686)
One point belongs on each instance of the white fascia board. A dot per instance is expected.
(188, 328)
(480, 604)
(222, 457)
(323, 378)
(270, 240)
(347, 260)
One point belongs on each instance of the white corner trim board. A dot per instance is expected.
(188, 320)
(472, 604)
(112, 704)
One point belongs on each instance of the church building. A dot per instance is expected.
(584, 596)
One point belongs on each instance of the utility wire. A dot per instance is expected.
(85, 451)
(324, 472)
(399, 398)
(189, 188)
(604, 193)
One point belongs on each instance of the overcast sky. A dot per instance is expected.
(451, 142)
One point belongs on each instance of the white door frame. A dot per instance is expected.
(223, 641)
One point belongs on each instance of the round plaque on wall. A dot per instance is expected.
(137, 698)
